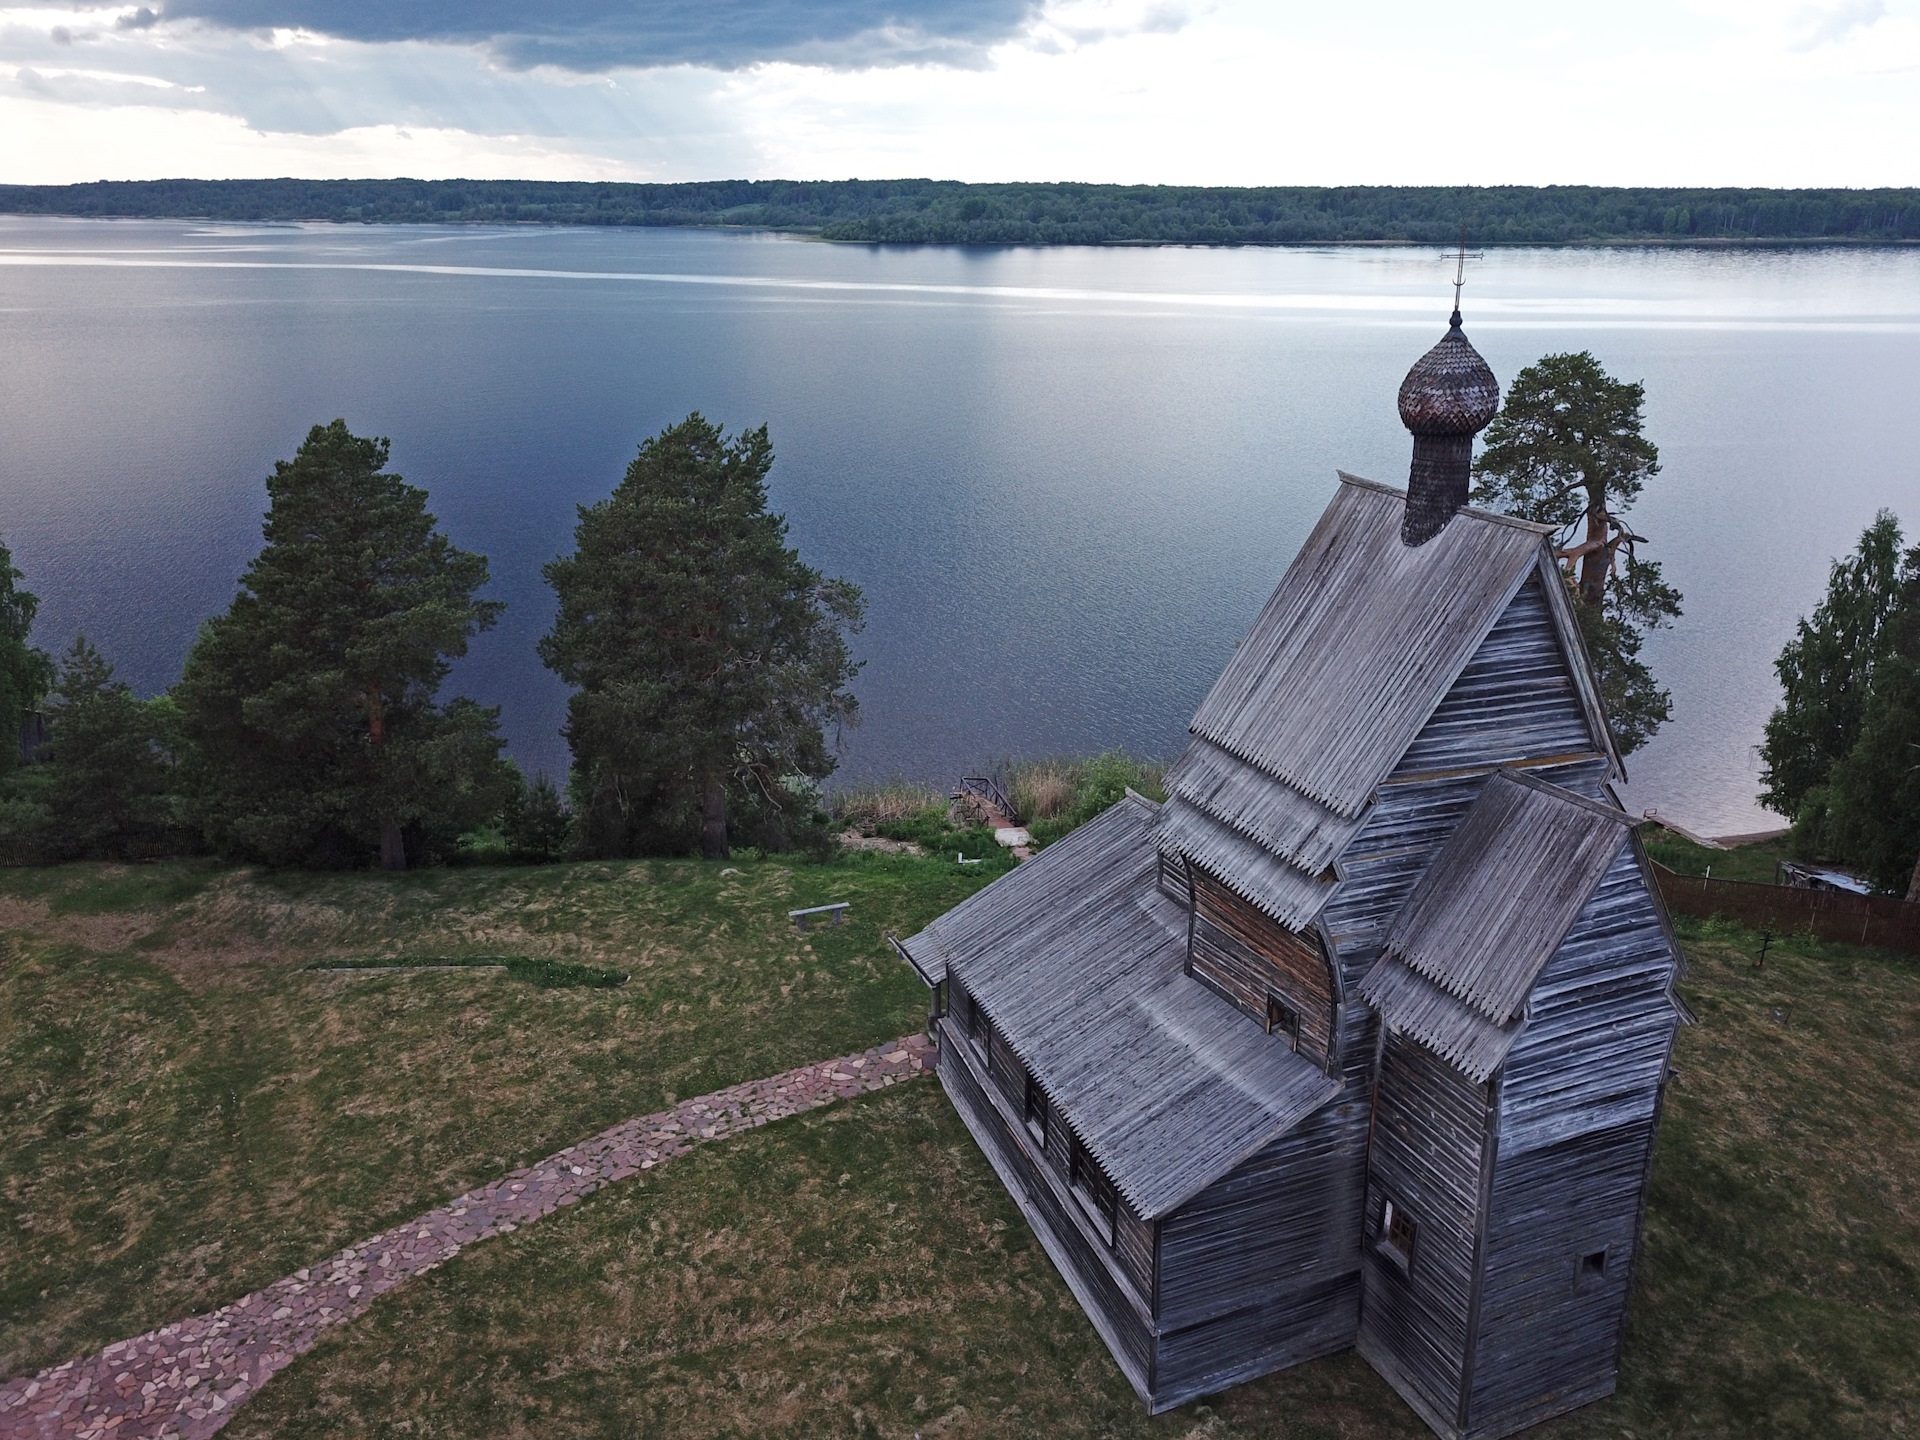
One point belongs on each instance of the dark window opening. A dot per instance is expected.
(1283, 1019)
(1094, 1191)
(1036, 1112)
(1397, 1232)
(1592, 1268)
(979, 1027)
(939, 1000)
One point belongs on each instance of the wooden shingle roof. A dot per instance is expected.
(1080, 962)
(1358, 645)
(1463, 954)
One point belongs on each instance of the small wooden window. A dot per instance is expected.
(1094, 1191)
(1397, 1232)
(1283, 1019)
(1036, 1111)
(979, 1027)
(939, 1000)
(1591, 1270)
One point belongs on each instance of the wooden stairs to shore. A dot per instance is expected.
(984, 800)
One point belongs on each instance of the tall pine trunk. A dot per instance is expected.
(393, 848)
(1597, 562)
(713, 818)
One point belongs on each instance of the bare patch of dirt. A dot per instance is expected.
(854, 840)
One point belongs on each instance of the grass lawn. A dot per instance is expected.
(1757, 863)
(186, 1120)
(186, 1114)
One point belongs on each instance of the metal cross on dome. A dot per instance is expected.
(1459, 274)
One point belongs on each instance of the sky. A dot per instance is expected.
(1229, 92)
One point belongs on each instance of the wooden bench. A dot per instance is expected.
(838, 911)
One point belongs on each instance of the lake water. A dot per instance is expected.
(1066, 479)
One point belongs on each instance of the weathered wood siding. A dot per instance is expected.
(1244, 956)
(1548, 1334)
(1429, 1148)
(1599, 1022)
(1132, 1249)
(1515, 703)
(1496, 1324)
(1579, 1101)
(1515, 700)
(1258, 1271)
(1120, 1315)
(1264, 1267)
(1173, 880)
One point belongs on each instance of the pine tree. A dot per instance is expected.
(1568, 449)
(1852, 676)
(1827, 670)
(110, 767)
(537, 823)
(707, 659)
(25, 672)
(310, 706)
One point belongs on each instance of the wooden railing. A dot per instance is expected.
(1791, 910)
(982, 793)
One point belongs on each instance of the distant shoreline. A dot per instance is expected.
(938, 212)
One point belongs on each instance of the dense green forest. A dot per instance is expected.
(948, 212)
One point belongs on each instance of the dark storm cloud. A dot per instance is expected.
(603, 34)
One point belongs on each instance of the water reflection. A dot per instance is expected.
(1066, 478)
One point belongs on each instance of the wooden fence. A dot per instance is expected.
(1790, 910)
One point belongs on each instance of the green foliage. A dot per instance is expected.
(947, 212)
(537, 823)
(707, 659)
(1757, 863)
(1567, 442)
(23, 814)
(309, 707)
(1056, 796)
(1827, 670)
(1636, 706)
(1871, 814)
(1568, 449)
(934, 831)
(1867, 813)
(25, 672)
(110, 773)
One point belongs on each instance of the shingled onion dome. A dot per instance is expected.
(1448, 397)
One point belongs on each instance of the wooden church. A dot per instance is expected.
(1360, 1038)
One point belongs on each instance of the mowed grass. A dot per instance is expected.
(857, 1271)
(860, 1271)
(186, 1115)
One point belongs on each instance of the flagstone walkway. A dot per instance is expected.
(183, 1381)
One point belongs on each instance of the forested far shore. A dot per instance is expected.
(951, 212)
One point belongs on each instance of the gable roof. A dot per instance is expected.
(1361, 640)
(1080, 961)
(1495, 903)
(1455, 1031)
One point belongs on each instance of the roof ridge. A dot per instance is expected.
(1494, 516)
(1561, 792)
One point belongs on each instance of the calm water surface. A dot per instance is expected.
(1066, 479)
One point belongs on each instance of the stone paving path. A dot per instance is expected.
(183, 1381)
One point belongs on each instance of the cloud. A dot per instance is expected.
(141, 19)
(599, 35)
(1830, 24)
